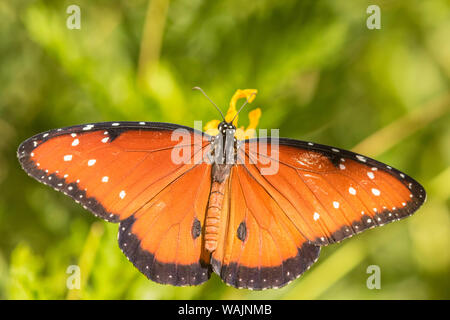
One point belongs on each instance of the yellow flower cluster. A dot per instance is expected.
(254, 115)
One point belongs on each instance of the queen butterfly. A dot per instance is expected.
(217, 211)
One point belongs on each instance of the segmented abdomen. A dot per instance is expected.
(213, 215)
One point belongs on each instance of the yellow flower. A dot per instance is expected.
(254, 115)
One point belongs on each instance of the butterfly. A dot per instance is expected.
(253, 210)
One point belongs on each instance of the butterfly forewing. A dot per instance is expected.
(110, 168)
(331, 194)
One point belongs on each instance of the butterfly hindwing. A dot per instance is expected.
(163, 239)
(261, 247)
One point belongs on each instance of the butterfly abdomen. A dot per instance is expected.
(213, 215)
(215, 201)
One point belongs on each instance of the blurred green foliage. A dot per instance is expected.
(322, 75)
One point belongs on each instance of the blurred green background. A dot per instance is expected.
(322, 76)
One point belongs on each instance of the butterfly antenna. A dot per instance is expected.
(245, 103)
(201, 90)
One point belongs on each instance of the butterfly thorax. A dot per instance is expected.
(224, 145)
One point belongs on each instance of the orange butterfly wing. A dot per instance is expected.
(260, 247)
(124, 172)
(318, 195)
(163, 239)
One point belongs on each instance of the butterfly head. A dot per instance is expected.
(224, 126)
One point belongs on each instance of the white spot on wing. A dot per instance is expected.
(68, 157)
(88, 127)
(75, 142)
(370, 175)
(91, 162)
(316, 216)
(122, 194)
(105, 179)
(336, 204)
(361, 158)
(376, 192)
(352, 190)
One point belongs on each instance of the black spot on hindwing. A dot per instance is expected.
(242, 231)
(196, 229)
